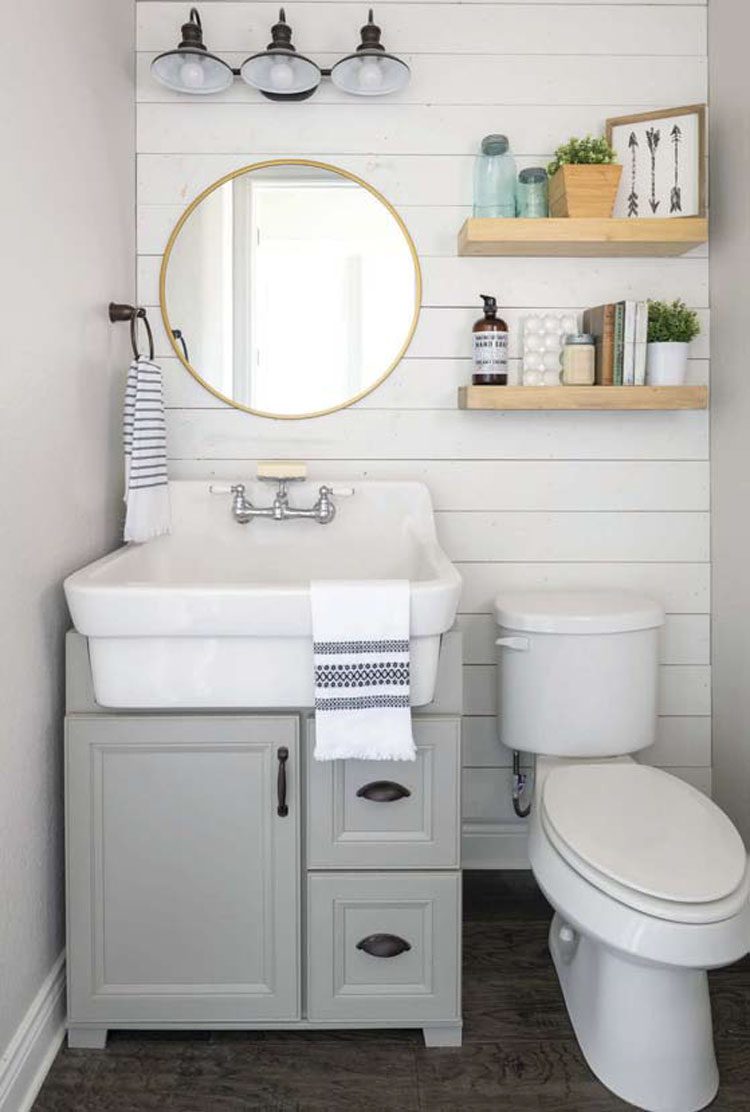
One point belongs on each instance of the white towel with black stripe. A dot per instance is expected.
(147, 513)
(361, 649)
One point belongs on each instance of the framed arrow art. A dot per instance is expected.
(663, 156)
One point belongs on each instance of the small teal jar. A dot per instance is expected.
(531, 193)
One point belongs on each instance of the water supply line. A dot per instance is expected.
(519, 784)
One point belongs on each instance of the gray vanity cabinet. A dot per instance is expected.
(218, 876)
(183, 875)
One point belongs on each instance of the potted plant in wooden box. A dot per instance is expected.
(671, 327)
(584, 178)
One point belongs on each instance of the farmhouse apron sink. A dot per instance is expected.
(218, 614)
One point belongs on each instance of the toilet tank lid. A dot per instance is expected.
(577, 611)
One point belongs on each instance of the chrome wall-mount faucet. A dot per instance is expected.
(243, 511)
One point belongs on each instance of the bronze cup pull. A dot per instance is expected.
(281, 809)
(383, 791)
(384, 945)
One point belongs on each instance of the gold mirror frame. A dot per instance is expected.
(261, 166)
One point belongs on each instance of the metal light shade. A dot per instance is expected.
(370, 71)
(370, 74)
(279, 72)
(190, 68)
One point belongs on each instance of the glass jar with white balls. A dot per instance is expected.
(542, 341)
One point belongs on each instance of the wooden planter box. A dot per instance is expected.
(584, 190)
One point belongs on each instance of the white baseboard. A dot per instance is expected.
(494, 845)
(27, 1059)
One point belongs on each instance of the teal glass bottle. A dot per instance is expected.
(532, 200)
(495, 178)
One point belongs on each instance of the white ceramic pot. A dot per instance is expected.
(666, 364)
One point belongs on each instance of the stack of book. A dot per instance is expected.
(620, 331)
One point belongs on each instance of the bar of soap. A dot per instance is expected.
(282, 469)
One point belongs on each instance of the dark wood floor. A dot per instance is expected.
(519, 1053)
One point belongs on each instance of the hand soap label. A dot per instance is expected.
(490, 352)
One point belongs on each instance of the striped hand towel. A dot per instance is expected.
(147, 511)
(361, 650)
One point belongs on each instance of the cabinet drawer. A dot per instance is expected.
(410, 975)
(388, 814)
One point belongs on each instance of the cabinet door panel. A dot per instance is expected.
(183, 878)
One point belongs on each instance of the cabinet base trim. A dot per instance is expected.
(494, 846)
(442, 1036)
(97, 1031)
(87, 1038)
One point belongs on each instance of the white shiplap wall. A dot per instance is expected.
(523, 499)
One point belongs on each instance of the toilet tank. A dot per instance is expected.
(577, 672)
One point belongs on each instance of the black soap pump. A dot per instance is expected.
(490, 336)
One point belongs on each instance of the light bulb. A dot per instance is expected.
(370, 74)
(192, 75)
(282, 75)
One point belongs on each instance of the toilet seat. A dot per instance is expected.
(646, 838)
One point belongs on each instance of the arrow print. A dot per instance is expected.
(675, 196)
(633, 195)
(653, 135)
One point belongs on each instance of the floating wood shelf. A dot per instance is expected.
(575, 237)
(583, 397)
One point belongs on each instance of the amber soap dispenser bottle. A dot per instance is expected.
(490, 336)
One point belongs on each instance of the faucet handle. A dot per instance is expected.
(226, 488)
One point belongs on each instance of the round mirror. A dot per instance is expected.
(290, 288)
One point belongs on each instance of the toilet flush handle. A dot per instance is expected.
(520, 644)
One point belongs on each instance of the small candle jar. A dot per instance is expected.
(578, 359)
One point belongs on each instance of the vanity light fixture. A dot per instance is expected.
(279, 72)
(370, 71)
(190, 68)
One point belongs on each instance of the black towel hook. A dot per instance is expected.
(133, 313)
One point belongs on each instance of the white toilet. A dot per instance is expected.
(648, 878)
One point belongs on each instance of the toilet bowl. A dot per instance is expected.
(648, 879)
(632, 956)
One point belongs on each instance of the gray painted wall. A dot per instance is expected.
(729, 27)
(67, 202)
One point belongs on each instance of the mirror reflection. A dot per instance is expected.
(290, 289)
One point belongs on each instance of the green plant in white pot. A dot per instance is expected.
(671, 327)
